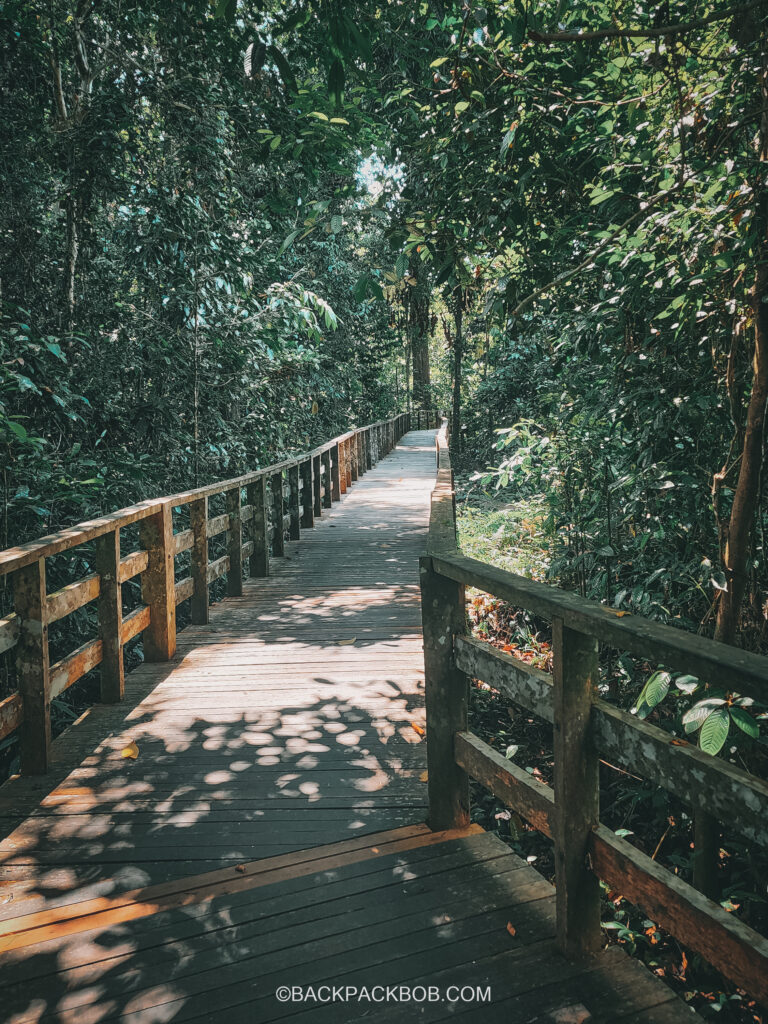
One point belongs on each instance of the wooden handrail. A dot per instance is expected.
(585, 728)
(283, 498)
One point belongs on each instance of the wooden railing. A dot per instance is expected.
(586, 728)
(262, 509)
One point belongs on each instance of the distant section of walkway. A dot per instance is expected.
(286, 723)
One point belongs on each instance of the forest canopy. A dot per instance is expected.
(231, 229)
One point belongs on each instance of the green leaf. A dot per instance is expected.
(18, 430)
(286, 72)
(688, 684)
(714, 731)
(288, 241)
(693, 718)
(653, 693)
(276, 142)
(336, 79)
(506, 143)
(55, 350)
(318, 114)
(337, 223)
(445, 272)
(439, 62)
(226, 9)
(745, 722)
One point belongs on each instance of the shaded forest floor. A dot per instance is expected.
(511, 536)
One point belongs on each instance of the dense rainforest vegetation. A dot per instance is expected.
(232, 229)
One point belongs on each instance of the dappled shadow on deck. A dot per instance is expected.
(295, 719)
(269, 731)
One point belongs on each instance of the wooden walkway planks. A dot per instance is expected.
(419, 908)
(265, 734)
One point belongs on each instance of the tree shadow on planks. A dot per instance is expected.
(215, 787)
(401, 918)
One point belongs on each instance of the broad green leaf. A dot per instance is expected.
(688, 684)
(693, 718)
(714, 731)
(336, 80)
(288, 241)
(745, 722)
(653, 693)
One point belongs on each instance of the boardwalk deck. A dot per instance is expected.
(270, 831)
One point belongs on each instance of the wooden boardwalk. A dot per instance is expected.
(271, 832)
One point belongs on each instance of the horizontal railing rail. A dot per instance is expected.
(586, 729)
(263, 508)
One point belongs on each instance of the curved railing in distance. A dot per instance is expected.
(262, 509)
(586, 728)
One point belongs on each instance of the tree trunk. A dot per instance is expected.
(419, 332)
(458, 343)
(741, 524)
(740, 528)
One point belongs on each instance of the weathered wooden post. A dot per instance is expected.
(294, 503)
(198, 521)
(307, 494)
(317, 487)
(327, 482)
(335, 473)
(235, 542)
(446, 694)
(33, 667)
(112, 674)
(157, 584)
(278, 512)
(348, 462)
(342, 467)
(575, 674)
(258, 565)
(368, 451)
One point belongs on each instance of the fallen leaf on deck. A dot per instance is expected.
(417, 728)
(424, 777)
(240, 868)
(131, 751)
(346, 643)
(511, 928)
(577, 1014)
